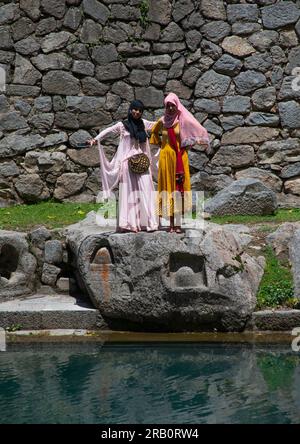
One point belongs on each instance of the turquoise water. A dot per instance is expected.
(152, 384)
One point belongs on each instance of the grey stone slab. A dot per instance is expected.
(216, 31)
(17, 266)
(96, 10)
(269, 179)
(32, 8)
(152, 96)
(73, 18)
(279, 151)
(244, 196)
(181, 9)
(212, 84)
(247, 28)
(22, 28)
(232, 121)
(246, 135)
(213, 9)
(236, 104)
(289, 113)
(280, 320)
(228, 65)
(263, 40)
(290, 88)
(45, 26)
(294, 258)
(193, 39)
(237, 156)
(242, 13)
(249, 81)
(262, 119)
(160, 12)
(42, 312)
(9, 13)
(126, 13)
(111, 71)
(60, 82)
(25, 73)
(279, 15)
(105, 54)
(264, 98)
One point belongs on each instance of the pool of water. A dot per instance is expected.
(149, 383)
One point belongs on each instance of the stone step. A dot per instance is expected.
(274, 320)
(42, 312)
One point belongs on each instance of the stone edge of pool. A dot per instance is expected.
(77, 335)
(44, 312)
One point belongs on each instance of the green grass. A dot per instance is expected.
(276, 287)
(267, 228)
(49, 214)
(282, 215)
(55, 215)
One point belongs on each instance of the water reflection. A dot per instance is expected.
(155, 384)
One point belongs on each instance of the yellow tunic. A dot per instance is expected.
(167, 167)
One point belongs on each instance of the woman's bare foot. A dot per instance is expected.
(171, 230)
(91, 142)
(178, 230)
(127, 230)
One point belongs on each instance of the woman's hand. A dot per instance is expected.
(204, 145)
(92, 142)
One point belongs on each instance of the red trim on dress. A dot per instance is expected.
(179, 163)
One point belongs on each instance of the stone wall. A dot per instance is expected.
(73, 66)
(34, 262)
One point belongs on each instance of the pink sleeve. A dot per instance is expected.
(148, 125)
(115, 129)
(110, 169)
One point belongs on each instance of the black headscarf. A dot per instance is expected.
(136, 127)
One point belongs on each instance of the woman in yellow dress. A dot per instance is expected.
(176, 131)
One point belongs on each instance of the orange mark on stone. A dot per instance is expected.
(102, 256)
(104, 273)
(103, 260)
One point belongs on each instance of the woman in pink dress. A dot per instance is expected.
(136, 191)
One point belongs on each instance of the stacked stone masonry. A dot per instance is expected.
(71, 67)
(34, 262)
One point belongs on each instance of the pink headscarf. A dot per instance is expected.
(191, 131)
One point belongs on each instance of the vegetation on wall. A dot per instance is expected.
(276, 287)
(144, 9)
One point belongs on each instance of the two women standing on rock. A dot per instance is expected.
(174, 133)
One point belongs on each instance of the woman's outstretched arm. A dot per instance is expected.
(155, 138)
(114, 129)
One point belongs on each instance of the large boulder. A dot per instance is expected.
(17, 265)
(285, 242)
(269, 179)
(295, 260)
(200, 281)
(244, 196)
(281, 238)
